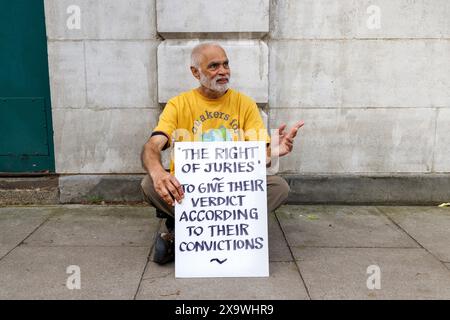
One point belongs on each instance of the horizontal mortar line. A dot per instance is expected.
(353, 39)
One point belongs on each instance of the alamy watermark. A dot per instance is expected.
(374, 280)
(74, 280)
(74, 20)
(374, 20)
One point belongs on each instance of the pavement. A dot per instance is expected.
(316, 252)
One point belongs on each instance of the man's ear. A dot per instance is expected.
(195, 72)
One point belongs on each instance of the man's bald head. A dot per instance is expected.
(199, 52)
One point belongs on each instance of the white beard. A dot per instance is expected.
(212, 84)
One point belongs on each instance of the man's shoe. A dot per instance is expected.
(164, 248)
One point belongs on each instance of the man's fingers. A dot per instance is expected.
(292, 133)
(174, 191)
(299, 124)
(290, 146)
(177, 185)
(166, 196)
(281, 129)
(294, 130)
(169, 189)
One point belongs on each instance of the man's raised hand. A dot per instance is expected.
(286, 139)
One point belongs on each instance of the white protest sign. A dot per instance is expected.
(221, 224)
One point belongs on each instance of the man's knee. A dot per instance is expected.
(282, 187)
(146, 187)
(163, 210)
(277, 192)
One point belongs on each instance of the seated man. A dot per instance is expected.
(211, 112)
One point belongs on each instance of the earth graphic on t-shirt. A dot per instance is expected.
(220, 134)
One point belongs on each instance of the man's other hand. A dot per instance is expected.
(285, 139)
(168, 187)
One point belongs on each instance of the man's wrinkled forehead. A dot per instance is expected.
(213, 54)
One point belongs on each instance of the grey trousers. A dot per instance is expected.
(277, 193)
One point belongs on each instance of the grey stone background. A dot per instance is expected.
(375, 101)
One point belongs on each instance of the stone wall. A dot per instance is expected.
(375, 96)
(103, 80)
(371, 79)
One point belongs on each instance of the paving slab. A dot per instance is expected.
(278, 248)
(4, 249)
(159, 282)
(340, 226)
(40, 272)
(342, 273)
(428, 225)
(97, 226)
(16, 223)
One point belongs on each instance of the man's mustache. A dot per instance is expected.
(221, 78)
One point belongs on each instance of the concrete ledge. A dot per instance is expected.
(422, 189)
(425, 189)
(98, 188)
(30, 190)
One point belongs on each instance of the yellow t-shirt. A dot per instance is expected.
(191, 116)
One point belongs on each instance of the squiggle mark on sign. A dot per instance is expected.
(219, 261)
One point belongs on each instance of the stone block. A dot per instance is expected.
(357, 140)
(98, 188)
(101, 19)
(364, 189)
(101, 141)
(248, 64)
(175, 16)
(67, 74)
(121, 74)
(359, 74)
(348, 19)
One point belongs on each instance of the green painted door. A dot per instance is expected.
(26, 135)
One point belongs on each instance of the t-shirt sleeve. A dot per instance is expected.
(254, 128)
(168, 122)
